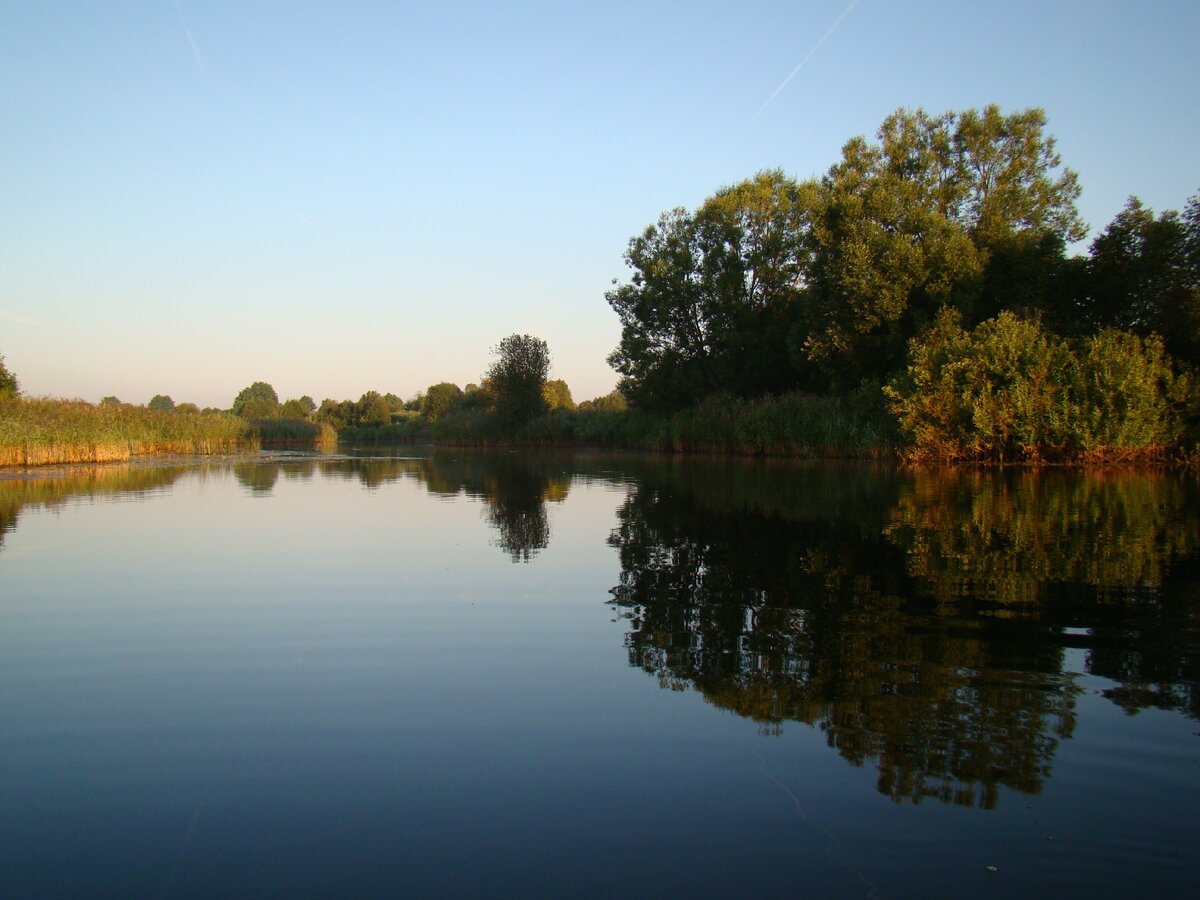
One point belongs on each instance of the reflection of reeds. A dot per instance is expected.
(52, 490)
(42, 432)
(294, 433)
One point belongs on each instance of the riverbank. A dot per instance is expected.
(795, 425)
(36, 432)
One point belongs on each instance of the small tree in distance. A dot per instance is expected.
(440, 399)
(258, 401)
(518, 376)
(161, 402)
(10, 389)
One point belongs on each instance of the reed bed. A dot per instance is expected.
(791, 425)
(40, 431)
(294, 433)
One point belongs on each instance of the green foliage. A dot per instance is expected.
(1010, 391)
(336, 414)
(110, 401)
(296, 409)
(1144, 276)
(372, 409)
(517, 378)
(161, 402)
(285, 432)
(796, 425)
(557, 395)
(774, 285)
(373, 417)
(184, 408)
(613, 401)
(912, 224)
(714, 296)
(1126, 395)
(258, 401)
(440, 399)
(9, 386)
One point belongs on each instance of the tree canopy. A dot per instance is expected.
(1144, 277)
(517, 377)
(161, 402)
(440, 399)
(775, 285)
(258, 401)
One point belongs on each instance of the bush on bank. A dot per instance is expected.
(1009, 391)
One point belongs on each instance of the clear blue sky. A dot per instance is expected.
(338, 197)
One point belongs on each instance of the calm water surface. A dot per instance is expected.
(480, 675)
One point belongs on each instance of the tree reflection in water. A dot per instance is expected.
(514, 489)
(919, 620)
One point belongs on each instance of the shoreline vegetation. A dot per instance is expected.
(917, 302)
(45, 432)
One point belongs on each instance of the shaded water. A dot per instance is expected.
(458, 674)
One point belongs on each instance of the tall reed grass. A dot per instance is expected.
(41, 431)
(791, 425)
(294, 433)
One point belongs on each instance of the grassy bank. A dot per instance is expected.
(35, 432)
(793, 425)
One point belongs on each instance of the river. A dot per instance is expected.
(420, 673)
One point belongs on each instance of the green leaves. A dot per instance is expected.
(258, 401)
(10, 388)
(1010, 391)
(517, 378)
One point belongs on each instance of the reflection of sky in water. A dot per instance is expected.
(342, 684)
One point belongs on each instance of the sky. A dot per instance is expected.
(350, 196)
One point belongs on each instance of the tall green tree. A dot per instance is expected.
(440, 399)
(258, 401)
(372, 409)
(517, 377)
(911, 223)
(714, 296)
(161, 402)
(1144, 277)
(10, 388)
(296, 408)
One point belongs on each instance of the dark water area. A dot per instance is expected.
(457, 674)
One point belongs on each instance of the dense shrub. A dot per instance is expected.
(1011, 391)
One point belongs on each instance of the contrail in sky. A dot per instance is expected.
(195, 46)
(807, 57)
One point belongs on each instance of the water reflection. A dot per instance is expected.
(920, 620)
(934, 625)
(514, 488)
(257, 478)
(52, 488)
